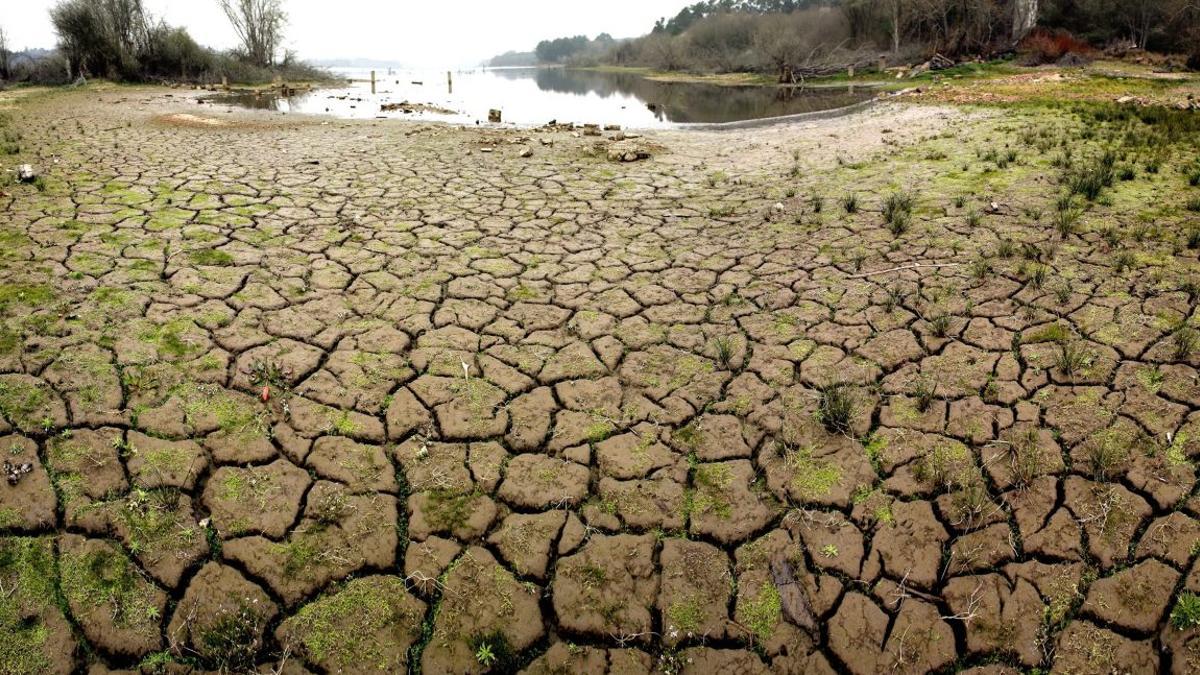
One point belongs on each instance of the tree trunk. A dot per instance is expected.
(895, 26)
(1025, 16)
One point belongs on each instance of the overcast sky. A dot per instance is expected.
(416, 32)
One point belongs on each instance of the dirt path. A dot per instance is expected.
(854, 395)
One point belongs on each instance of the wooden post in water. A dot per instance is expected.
(449, 83)
(372, 82)
(225, 83)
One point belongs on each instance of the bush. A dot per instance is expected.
(1045, 46)
(171, 52)
(118, 39)
(32, 69)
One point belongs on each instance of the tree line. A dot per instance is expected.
(120, 40)
(818, 36)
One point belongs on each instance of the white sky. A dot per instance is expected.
(416, 32)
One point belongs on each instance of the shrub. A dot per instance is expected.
(837, 406)
(1043, 46)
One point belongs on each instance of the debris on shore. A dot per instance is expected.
(627, 149)
(408, 108)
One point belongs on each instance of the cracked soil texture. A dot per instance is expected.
(300, 395)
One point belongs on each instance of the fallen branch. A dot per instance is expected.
(901, 269)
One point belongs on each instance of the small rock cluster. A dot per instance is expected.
(15, 472)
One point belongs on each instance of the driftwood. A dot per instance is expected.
(791, 597)
(901, 268)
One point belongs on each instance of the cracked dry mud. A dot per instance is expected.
(326, 396)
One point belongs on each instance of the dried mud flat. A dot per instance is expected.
(283, 394)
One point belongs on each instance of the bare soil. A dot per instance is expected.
(854, 395)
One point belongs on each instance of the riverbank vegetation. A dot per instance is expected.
(791, 38)
(121, 40)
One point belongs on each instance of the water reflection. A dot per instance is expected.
(530, 96)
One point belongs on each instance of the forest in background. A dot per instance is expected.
(818, 36)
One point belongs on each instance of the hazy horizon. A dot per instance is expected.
(426, 35)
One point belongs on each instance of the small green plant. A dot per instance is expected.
(1186, 613)
(940, 325)
(850, 203)
(1064, 222)
(1025, 459)
(924, 391)
(724, 346)
(230, 643)
(981, 267)
(1037, 275)
(1062, 294)
(894, 297)
(1124, 261)
(1193, 238)
(1091, 181)
(1185, 339)
(836, 407)
(897, 212)
(1073, 358)
(484, 655)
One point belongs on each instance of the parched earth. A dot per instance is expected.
(864, 395)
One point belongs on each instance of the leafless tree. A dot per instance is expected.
(259, 26)
(895, 11)
(4, 75)
(804, 43)
(1142, 17)
(665, 52)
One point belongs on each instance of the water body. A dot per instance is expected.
(534, 96)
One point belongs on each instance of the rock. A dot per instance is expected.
(494, 116)
(525, 152)
(14, 472)
(25, 173)
(627, 151)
